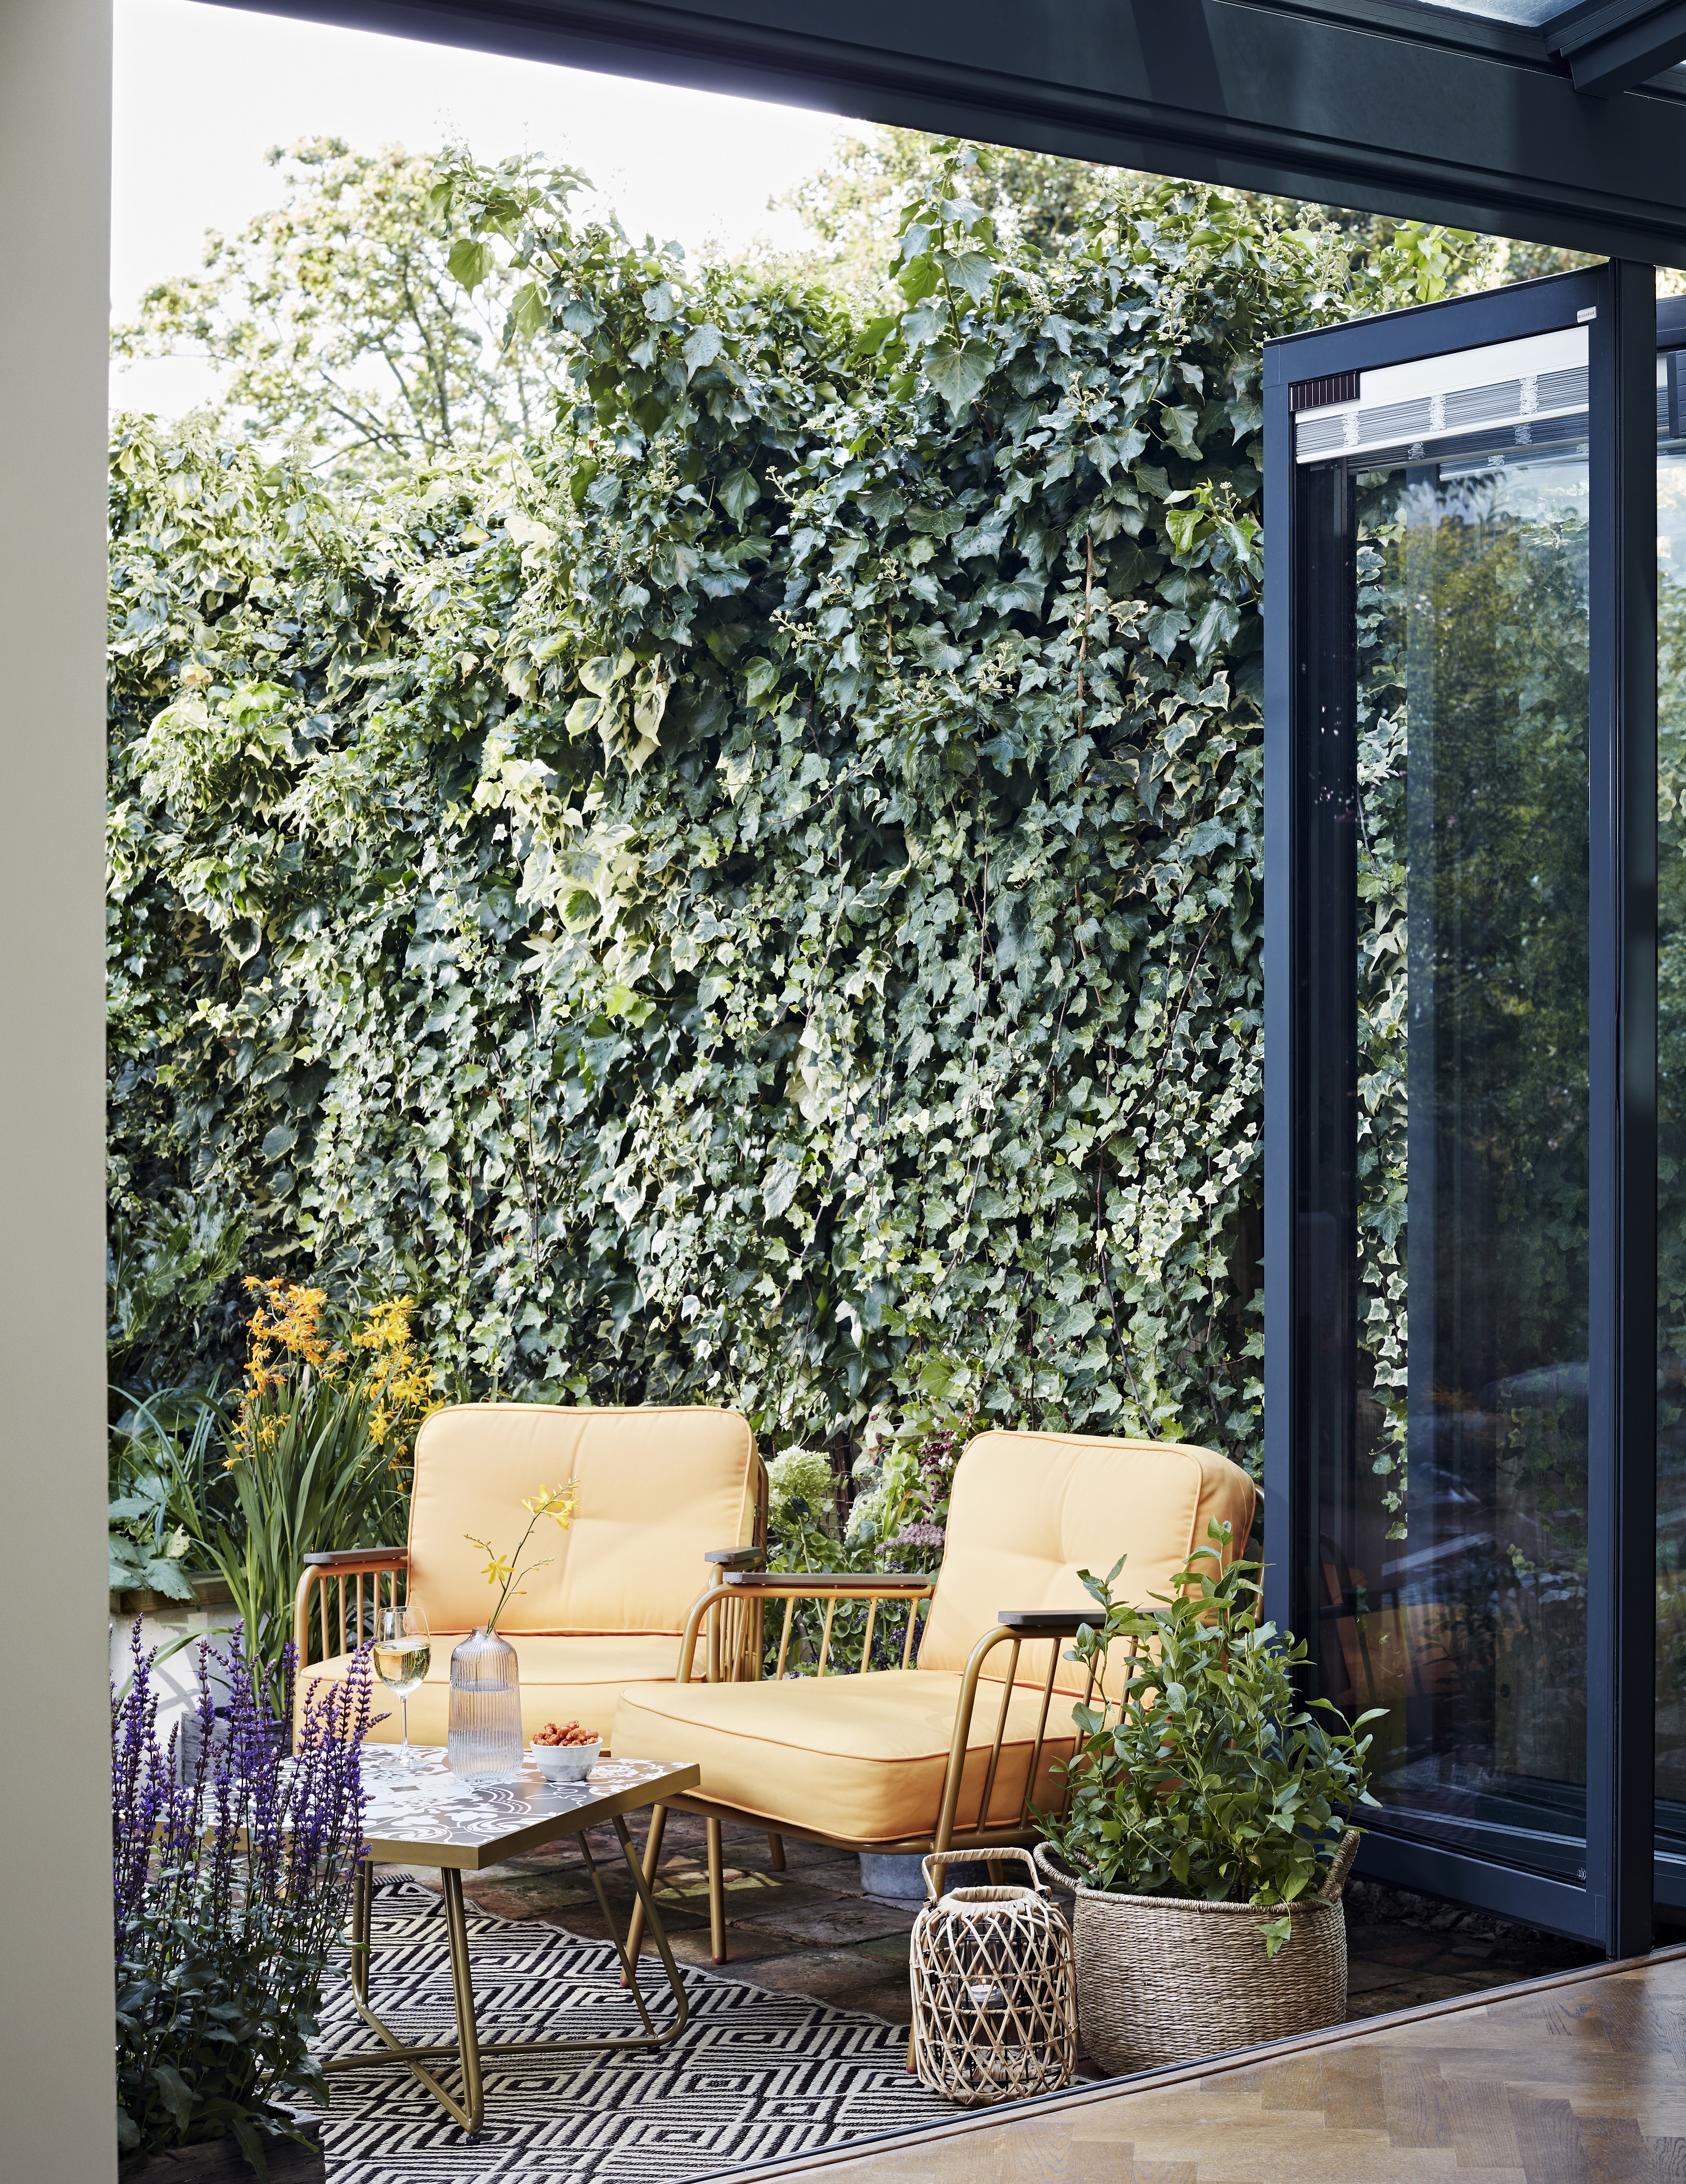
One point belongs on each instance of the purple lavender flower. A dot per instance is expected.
(230, 1889)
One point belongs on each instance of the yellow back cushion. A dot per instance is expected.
(1029, 1509)
(658, 1490)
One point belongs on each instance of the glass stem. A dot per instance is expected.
(403, 1715)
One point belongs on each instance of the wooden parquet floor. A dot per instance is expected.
(1575, 2080)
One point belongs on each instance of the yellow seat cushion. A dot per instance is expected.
(563, 1679)
(858, 1758)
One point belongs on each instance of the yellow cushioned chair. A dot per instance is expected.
(663, 1494)
(952, 1754)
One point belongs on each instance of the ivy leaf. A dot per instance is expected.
(969, 269)
(917, 278)
(760, 677)
(875, 334)
(1183, 524)
(738, 493)
(779, 1191)
(601, 674)
(1179, 427)
(701, 347)
(959, 374)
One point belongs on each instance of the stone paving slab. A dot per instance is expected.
(832, 1922)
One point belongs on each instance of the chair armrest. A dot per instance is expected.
(864, 1585)
(1043, 1622)
(736, 1559)
(359, 1558)
(334, 1567)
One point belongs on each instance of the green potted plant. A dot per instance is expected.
(1205, 1835)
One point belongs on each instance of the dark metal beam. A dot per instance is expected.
(1611, 45)
(1374, 105)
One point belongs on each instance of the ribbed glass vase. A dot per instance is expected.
(483, 1741)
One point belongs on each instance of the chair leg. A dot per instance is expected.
(634, 1924)
(716, 1895)
(775, 1849)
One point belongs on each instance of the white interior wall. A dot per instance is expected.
(56, 2084)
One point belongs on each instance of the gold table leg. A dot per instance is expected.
(469, 2051)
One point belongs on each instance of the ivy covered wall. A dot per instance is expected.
(756, 897)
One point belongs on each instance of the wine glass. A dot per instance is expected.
(403, 1650)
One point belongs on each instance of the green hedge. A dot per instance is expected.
(755, 898)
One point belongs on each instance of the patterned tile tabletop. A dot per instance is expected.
(423, 1815)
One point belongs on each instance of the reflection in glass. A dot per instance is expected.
(1454, 1555)
(1671, 1452)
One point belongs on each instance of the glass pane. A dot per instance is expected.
(1671, 1450)
(1453, 1560)
(1532, 12)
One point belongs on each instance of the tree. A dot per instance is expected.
(1037, 203)
(853, 206)
(341, 331)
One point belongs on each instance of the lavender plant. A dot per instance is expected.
(231, 1881)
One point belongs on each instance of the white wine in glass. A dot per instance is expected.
(403, 1650)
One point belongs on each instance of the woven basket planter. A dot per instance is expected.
(995, 1999)
(1168, 1979)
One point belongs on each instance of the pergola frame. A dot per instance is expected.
(1420, 112)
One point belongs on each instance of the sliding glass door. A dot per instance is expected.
(1456, 1104)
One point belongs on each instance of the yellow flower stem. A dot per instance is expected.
(515, 1574)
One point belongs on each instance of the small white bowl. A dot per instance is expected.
(565, 1763)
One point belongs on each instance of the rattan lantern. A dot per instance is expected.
(994, 1992)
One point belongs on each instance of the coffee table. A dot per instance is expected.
(423, 1815)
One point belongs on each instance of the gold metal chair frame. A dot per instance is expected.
(468, 2051)
(343, 1567)
(733, 1611)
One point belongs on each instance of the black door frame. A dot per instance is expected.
(1310, 1045)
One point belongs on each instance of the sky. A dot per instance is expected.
(202, 92)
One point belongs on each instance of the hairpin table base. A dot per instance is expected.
(402, 1824)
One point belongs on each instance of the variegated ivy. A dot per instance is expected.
(755, 898)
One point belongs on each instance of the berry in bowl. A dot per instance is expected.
(567, 1754)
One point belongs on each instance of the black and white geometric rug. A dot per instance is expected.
(753, 2075)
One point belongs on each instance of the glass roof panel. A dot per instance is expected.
(1529, 14)
(1515, 14)
(1532, 12)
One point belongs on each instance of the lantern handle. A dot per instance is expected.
(942, 1858)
